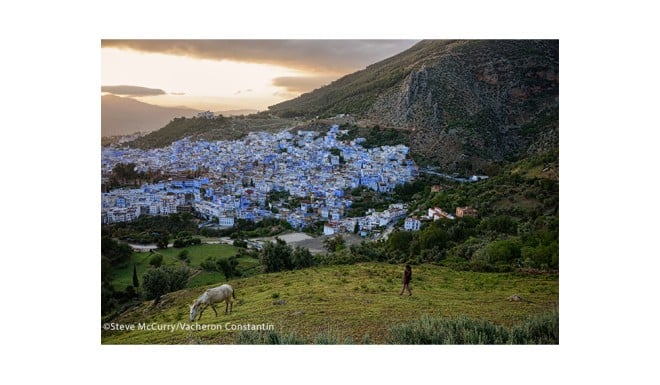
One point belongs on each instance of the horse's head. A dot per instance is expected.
(193, 312)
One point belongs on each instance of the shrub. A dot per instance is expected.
(161, 280)
(156, 260)
(267, 338)
(541, 329)
(276, 256)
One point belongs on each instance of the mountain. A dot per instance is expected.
(121, 116)
(466, 104)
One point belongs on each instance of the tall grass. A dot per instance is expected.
(267, 338)
(541, 329)
(276, 338)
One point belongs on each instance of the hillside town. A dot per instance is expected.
(247, 179)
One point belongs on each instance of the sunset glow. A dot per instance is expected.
(197, 83)
(222, 75)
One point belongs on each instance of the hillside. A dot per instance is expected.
(355, 304)
(220, 128)
(122, 116)
(467, 103)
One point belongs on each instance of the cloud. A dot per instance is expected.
(299, 84)
(132, 90)
(320, 56)
(177, 93)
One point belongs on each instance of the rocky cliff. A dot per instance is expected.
(467, 103)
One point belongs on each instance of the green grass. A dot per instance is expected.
(123, 276)
(344, 304)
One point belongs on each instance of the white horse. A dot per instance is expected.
(210, 297)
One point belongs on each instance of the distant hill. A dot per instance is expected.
(122, 116)
(467, 103)
(220, 128)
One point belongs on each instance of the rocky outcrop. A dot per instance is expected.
(468, 103)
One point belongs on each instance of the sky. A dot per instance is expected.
(221, 75)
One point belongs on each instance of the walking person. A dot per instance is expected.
(407, 277)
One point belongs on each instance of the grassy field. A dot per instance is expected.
(353, 304)
(123, 276)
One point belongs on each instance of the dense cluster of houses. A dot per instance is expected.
(239, 175)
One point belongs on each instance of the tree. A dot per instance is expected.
(399, 240)
(136, 283)
(301, 258)
(155, 283)
(503, 251)
(432, 237)
(163, 240)
(276, 256)
(156, 260)
(335, 243)
(161, 280)
(116, 252)
(228, 266)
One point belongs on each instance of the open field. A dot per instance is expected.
(354, 303)
(123, 276)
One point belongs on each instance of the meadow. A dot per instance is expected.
(122, 276)
(347, 304)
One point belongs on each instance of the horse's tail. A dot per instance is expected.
(233, 293)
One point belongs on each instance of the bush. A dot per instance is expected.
(276, 256)
(302, 258)
(161, 280)
(156, 260)
(542, 329)
(506, 251)
(227, 266)
(267, 338)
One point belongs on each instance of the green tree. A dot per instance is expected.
(156, 260)
(276, 256)
(116, 252)
(506, 251)
(432, 237)
(335, 243)
(155, 283)
(399, 240)
(163, 240)
(301, 258)
(228, 266)
(161, 280)
(136, 283)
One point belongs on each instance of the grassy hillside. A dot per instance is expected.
(355, 304)
(123, 276)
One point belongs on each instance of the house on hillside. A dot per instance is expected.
(412, 224)
(436, 213)
(466, 211)
(206, 115)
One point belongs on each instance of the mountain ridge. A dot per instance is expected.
(123, 115)
(468, 103)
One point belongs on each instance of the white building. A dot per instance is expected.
(437, 213)
(226, 221)
(330, 228)
(412, 224)
(206, 114)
